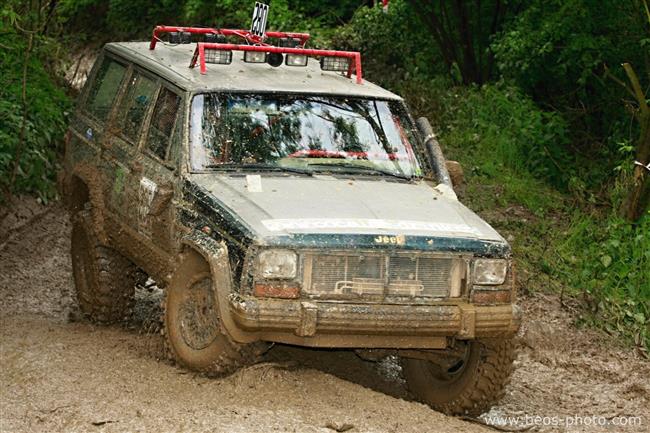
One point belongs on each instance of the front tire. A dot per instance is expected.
(468, 383)
(104, 279)
(193, 332)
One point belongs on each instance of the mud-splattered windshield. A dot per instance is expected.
(305, 133)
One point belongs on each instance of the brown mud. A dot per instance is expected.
(60, 373)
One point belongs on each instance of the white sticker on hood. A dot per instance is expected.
(277, 225)
(254, 182)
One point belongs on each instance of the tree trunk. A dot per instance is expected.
(468, 65)
(462, 29)
(638, 199)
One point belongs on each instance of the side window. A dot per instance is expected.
(175, 148)
(162, 123)
(104, 88)
(139, 96)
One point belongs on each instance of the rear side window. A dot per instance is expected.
(162, 123)
(139, 96)
(105, 88)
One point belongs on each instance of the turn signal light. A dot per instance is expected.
(490, 297)
(276, 291)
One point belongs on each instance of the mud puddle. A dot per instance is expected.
(60, 373)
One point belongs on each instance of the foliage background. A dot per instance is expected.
(544, 130)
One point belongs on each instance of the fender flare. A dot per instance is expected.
(215, 254)
(90, 177)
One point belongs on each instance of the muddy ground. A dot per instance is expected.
(60, 373)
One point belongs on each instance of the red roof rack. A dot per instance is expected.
(257, 43)
(244, 34)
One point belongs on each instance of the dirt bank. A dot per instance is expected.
(59, 373)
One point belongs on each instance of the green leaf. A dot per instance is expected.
(606, 260)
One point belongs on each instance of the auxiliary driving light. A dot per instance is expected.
(289, 42)
(295, 60)
(254, 57)
(335, 64)
(180, 37)
(220, 57)
(214, 38)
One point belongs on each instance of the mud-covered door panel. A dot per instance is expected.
(124, 135)
(158, 182)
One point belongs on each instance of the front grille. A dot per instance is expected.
(397, 275)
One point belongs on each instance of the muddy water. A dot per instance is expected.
(59, 373)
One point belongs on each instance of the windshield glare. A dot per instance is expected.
(310, 133)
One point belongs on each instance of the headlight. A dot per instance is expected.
(277, 264)
(490, 272)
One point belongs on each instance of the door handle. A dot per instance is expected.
(161, 199)
(136, 168)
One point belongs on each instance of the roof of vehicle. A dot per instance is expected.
(172, 63)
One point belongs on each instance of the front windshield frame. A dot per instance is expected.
(397, 106)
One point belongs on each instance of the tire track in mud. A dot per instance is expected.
(60, 373)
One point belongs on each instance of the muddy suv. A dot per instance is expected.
(277, 197)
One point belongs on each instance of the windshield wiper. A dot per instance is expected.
(265, 167)
(368, 170)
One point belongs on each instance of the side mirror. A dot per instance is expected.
(456, 174)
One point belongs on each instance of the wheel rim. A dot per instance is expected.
(199, 321)
(453, 367)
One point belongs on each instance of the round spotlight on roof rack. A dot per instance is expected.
(275, 59)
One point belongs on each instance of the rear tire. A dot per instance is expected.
(469, 385)
(194, 335)
(104, 279)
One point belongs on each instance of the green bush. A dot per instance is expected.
(607, 262)
(44, 125)
(558, 51)
(128, 19)
(393, 48)
(501, 127)
(499, 135)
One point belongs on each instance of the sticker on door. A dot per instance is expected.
(146, 194)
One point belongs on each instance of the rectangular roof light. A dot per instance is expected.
(254, 57)
(295, 60)
(220, 57)
(341, 64)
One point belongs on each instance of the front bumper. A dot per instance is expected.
(338, 324)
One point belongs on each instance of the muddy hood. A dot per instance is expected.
(271, 206)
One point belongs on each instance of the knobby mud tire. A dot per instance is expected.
(218, 355)
(480, 385)
(104, 279)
